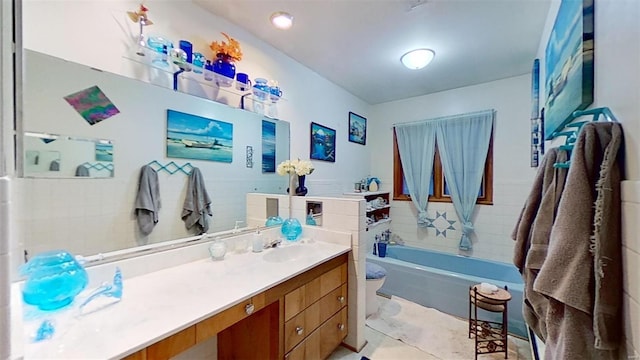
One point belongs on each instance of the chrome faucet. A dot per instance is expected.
(236, 228)
(273, 243)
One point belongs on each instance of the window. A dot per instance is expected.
(438, 191)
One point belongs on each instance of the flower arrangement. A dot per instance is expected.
(230, 49)
(297, 167)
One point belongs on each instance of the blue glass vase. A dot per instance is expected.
(291, 229)
(224, 66)
(54, 278)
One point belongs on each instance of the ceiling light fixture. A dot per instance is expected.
(417, 59)
(282, 20)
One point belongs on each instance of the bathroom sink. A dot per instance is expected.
(287, 253)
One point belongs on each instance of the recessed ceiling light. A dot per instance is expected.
(282, 20)
(417, 59)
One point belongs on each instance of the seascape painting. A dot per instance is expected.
(323, 143)
(569, 64)
(92, 104)
(104, 152)
(268, 147)
(195, 137)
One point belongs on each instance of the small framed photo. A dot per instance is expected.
(357, 128)
(323, 143)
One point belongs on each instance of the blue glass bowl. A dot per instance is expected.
(54, 278)
(157, 43)
(273, 221)
(291, 229)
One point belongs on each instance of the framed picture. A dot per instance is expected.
(535, 89)
(323, 143)
(569, 64)
(268, 147)
(195, 137)
(357, 128)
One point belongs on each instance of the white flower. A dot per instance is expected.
(298, 167)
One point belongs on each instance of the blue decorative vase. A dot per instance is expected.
(301, 190)
(225, 67)
(291, 229)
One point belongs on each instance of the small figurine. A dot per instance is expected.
(141, 18)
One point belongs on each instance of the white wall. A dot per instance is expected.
(98, 33)
(512, 174)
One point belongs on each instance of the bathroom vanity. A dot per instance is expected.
(283, 303)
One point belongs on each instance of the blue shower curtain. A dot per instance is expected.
(416, 145)
(463, 143)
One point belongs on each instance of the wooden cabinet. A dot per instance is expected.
(315, 316)
(302, 318)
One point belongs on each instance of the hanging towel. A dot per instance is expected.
(147, 200)
(197, 204)
(81, 170)
(522, 231)
(535, 304)
(54, 165)
(582, 272)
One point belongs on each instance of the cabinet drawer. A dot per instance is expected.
(332, 279)
(173, 345)
(308, 349)
(332, 332)
(213, 325)
(333, 302)
(294, 331)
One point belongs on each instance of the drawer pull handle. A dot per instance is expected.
(341, 299)
(299, 330)
(341, 327)
(249, 309)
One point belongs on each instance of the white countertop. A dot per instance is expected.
(164, 302)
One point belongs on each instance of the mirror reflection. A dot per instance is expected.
(63, 156)
(91, 216)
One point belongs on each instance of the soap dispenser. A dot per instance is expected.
(257, 243)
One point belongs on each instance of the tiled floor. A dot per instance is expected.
(381, 347)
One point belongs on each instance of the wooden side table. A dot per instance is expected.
(490, 336)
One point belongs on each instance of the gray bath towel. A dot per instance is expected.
(582, 273)
(522, 232)
(147, 200)
(197, 204)
(81, 170)
(535, 309)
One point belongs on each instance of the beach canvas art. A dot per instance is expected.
(104, 152)
(268, 147)
(199, 138)
(569, 68)
(92, 104)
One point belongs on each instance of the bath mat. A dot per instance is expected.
(430, 330)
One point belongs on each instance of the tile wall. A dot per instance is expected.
(493, 224)
(631, 266)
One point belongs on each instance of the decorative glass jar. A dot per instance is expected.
(224, 66)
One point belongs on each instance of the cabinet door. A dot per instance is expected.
(332, 333)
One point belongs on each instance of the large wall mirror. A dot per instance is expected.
(125, 123)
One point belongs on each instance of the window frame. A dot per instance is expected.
(438, 175)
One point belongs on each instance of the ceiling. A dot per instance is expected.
(357, 44)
